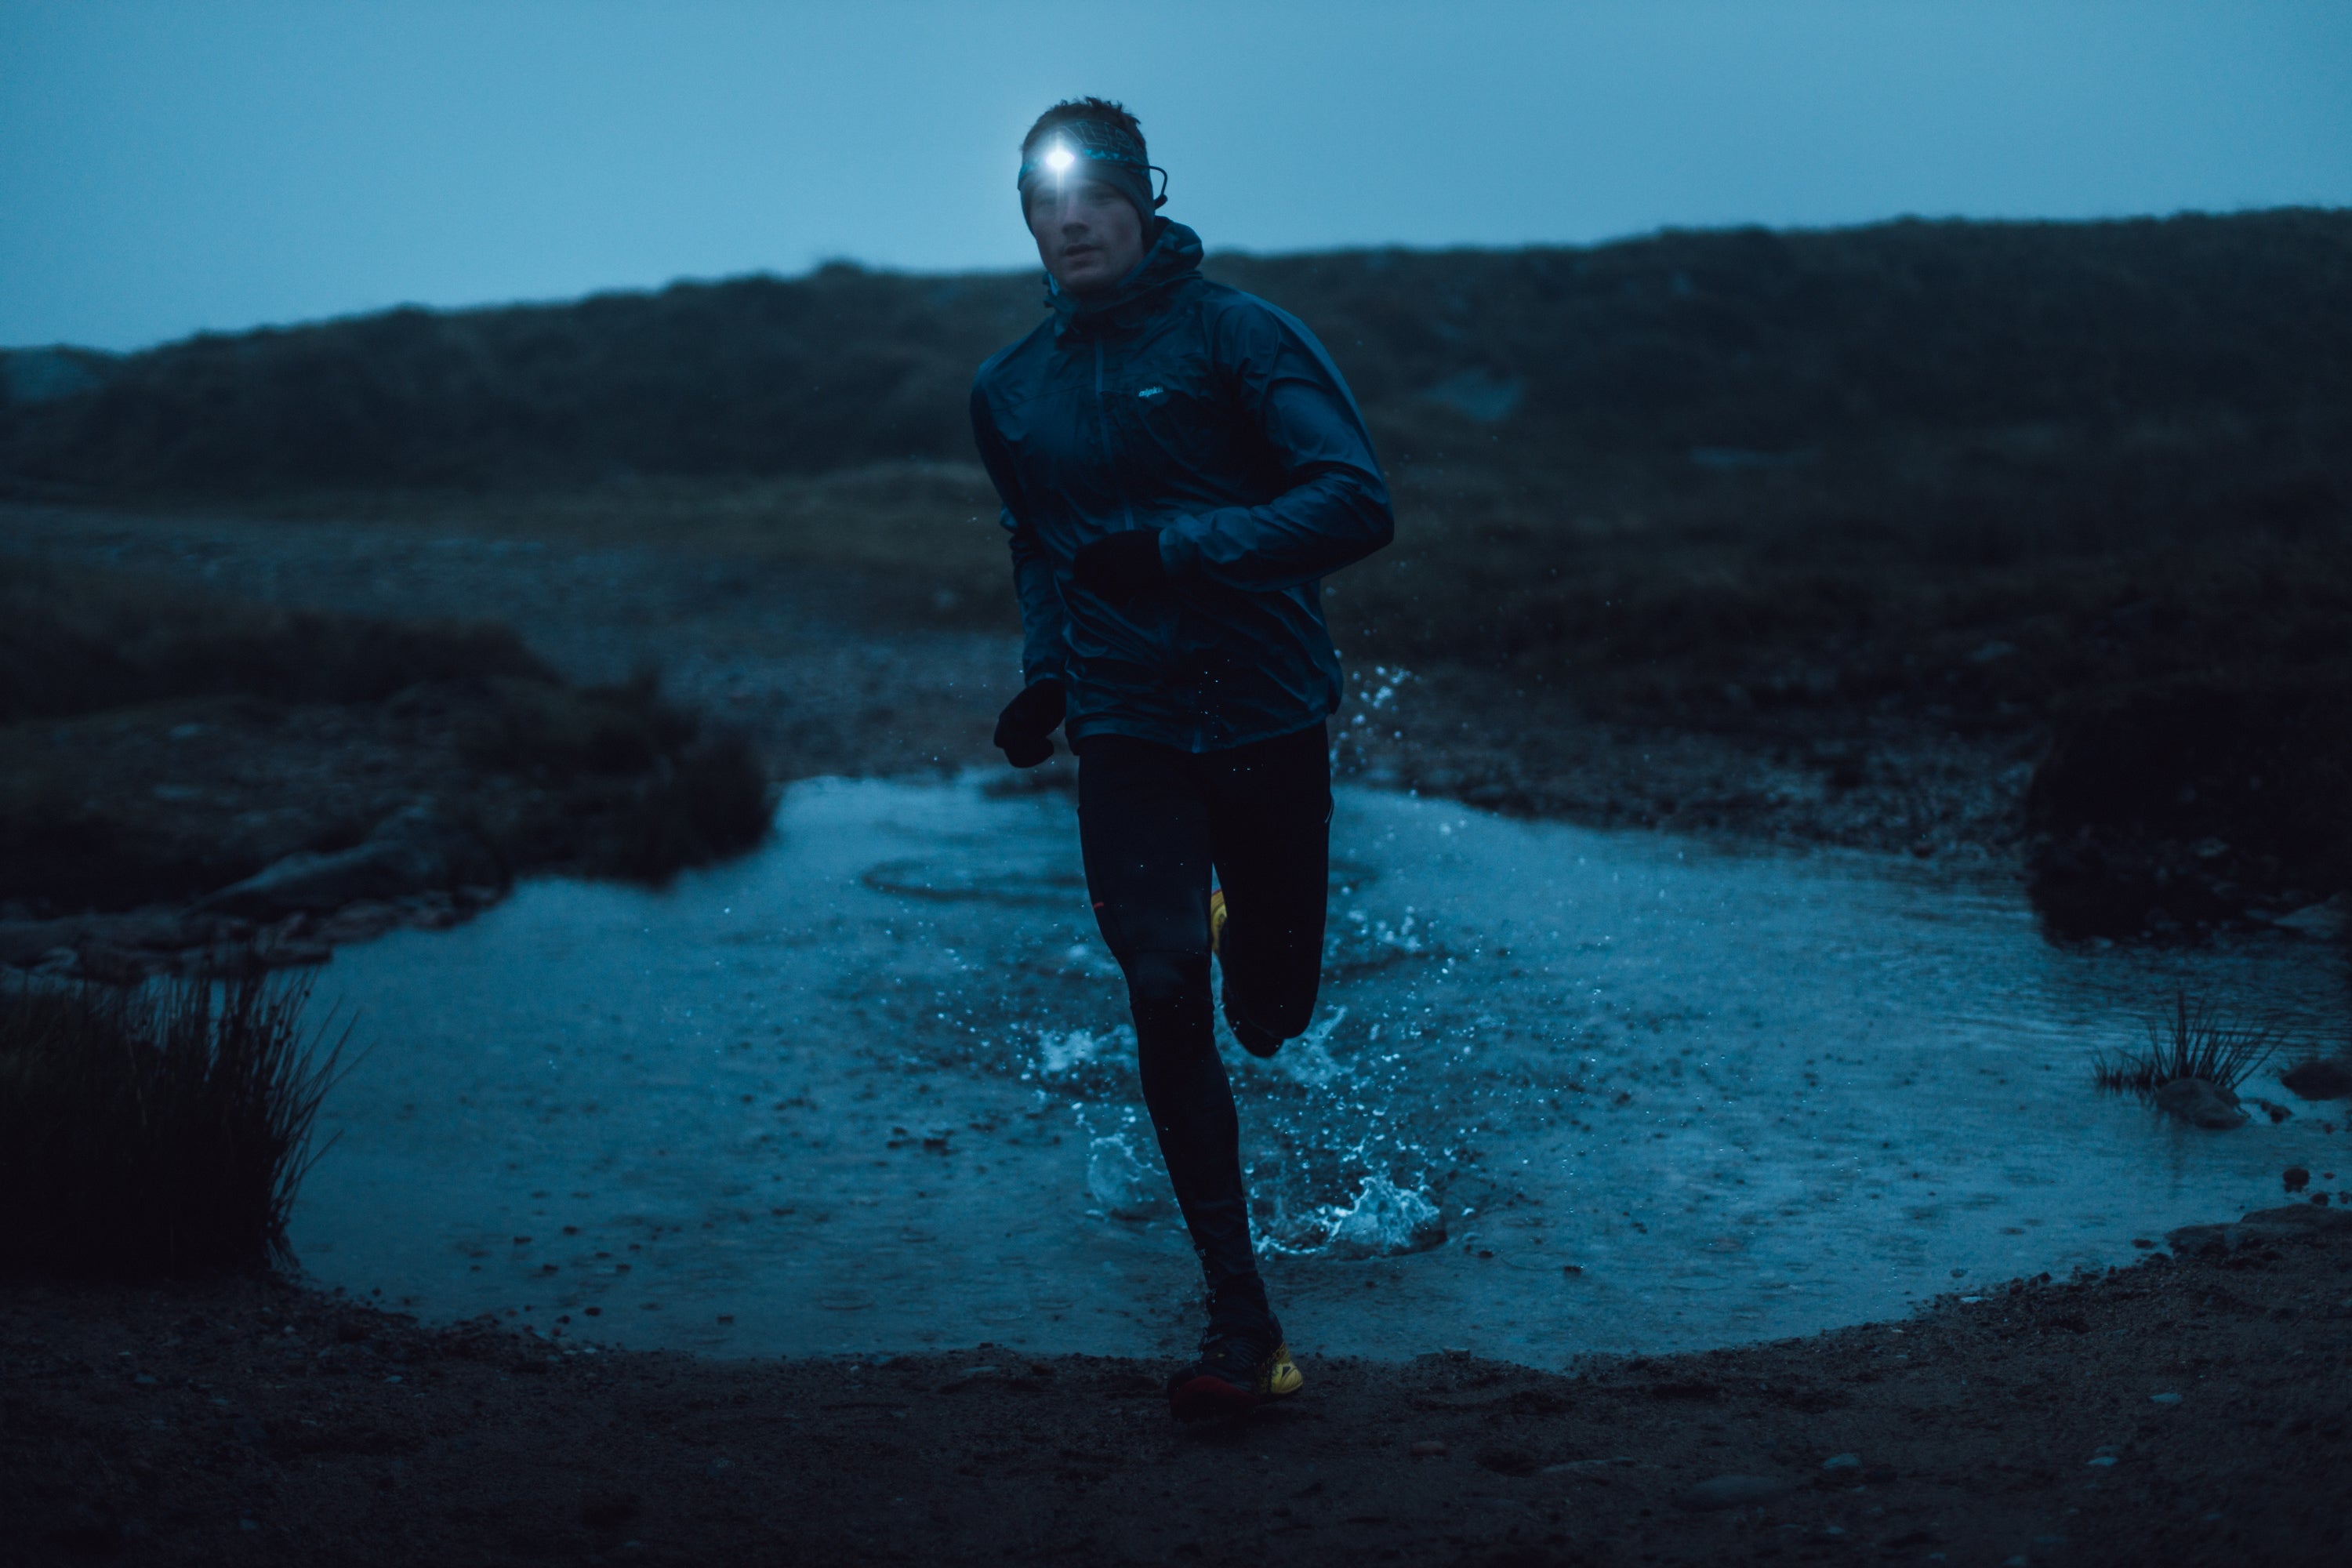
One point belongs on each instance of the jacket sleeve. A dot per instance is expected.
(1335, 509)
(1045, 624)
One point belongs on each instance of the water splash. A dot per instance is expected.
(1127, 1186)
(1384, 1220)
(1307, 1059)
(1358, 942)
(1064, 1052)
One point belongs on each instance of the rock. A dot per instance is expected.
(2319, 1079)
(2192, 1240)
(2325, 920)
(2264, 1228)
(2296, 1178)
(359, 921)
(1837, 1463)
(1428, 1449)
(2302, 1219)
(1735, 1492)
(2200, 1104)
(413, 851)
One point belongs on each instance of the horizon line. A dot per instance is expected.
(822, 264)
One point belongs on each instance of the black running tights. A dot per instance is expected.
(1154, 822)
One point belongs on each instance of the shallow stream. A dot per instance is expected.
(1568, 1090)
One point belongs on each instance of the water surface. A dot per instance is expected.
(872, 1089)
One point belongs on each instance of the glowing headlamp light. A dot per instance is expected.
(1117, 159)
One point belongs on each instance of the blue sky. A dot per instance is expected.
(171, 167)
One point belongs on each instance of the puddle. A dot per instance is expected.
(873, 1090)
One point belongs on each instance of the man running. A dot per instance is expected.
(1180, 464)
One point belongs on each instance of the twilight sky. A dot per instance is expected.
(171, 167)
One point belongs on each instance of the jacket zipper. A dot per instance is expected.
(1102, 418)
(1127, 511)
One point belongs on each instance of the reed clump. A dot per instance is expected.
(159, 1131)
(2194, 1040)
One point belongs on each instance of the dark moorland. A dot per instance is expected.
(2073, 494)
(256, 783)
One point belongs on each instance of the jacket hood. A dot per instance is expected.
(1173, 256)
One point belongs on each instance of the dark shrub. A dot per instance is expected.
(2247, 774)
(81, 641)
(156, 1132)
(2191, 1041)
(709, 801)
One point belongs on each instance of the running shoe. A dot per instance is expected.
(1233, 1375)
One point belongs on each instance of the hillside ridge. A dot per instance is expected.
(1731, 348)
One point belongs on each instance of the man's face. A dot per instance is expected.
(1089, 236)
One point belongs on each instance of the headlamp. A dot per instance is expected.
(1106, 153)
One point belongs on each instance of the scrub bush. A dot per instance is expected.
(81, 641)
(2154, 792)
(160, 741)
(2191, 1041)
(156, 1132)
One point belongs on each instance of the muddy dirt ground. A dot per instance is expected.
(2181, 1411)
(261, 1422)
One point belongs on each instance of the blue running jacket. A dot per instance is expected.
(1180, 405)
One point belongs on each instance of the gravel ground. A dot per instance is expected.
(2180, 1411)
(803, 660)
(786, 652)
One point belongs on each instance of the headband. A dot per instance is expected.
(1096, 150)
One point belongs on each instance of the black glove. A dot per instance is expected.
(1120, 565)
(1027, 719)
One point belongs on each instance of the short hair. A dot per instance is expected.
(1102, 109)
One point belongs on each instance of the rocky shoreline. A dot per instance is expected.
(125, 949)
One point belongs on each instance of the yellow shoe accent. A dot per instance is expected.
(1216, 916)
(1281, 1377)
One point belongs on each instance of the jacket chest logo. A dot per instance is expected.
(1152, 394)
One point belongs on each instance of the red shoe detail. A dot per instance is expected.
(1205, 1398)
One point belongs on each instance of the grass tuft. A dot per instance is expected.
(2193, 1041)
(159, 1131)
